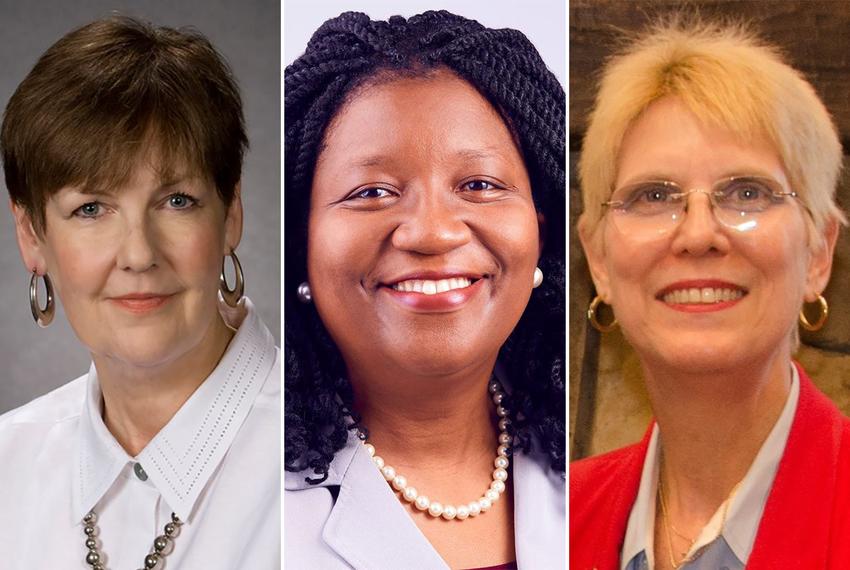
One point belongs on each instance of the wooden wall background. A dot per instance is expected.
(608, 404)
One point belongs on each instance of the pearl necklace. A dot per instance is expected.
(461, 512)
(162, 545)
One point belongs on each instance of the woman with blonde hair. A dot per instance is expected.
(708, 175)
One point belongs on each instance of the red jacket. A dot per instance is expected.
(806, 521)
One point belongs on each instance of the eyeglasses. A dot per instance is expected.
(658, 206)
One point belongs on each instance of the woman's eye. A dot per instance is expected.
(747, 196)
(748, 193)
(372, 193)
(655, 195)
(181, 201)
(479, 185)
(88, 210)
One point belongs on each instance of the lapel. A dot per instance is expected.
(795, 527)
(608, 556)
(602, 491)
(540, 532)
(367, 508)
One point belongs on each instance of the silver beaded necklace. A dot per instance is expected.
(162, 545)
(461, 512)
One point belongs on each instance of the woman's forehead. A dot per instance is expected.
(668, 140)
(438, 113)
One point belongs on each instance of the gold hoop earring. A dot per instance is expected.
(232, 296)
(42, 316)
(591, 316)
(818, 325)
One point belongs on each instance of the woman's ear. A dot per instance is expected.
(30, 243)
(233, 221)
(594, 252)
(820, 261)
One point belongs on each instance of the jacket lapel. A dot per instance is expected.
(367, 508)
(795, 526)
(539, 513)
(601, 501)
(621, 504)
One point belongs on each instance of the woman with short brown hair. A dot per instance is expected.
(122, 151)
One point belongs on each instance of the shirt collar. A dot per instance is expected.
(747, 504)
(181, 458)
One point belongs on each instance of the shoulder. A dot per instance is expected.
(603, 488)
(600, 470)
(39, 439)
(62, 404)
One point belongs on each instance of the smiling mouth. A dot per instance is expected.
(432, 287)
(141, 303)
(702, 295)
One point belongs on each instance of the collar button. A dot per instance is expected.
(140, 472)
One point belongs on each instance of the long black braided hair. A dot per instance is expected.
(343, 54)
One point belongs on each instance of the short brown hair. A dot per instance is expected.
(110, 91)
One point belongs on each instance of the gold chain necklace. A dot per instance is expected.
(668, 522)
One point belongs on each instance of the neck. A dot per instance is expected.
(711, 428)
(434, 419)
(138, 401)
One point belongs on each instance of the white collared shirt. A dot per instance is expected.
(216, 464)
(720, 544)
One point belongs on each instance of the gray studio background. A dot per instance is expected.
(544, 22)
(34, 361)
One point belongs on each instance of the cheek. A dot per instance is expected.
(197, 255)
(629, 264)
(336, 250)
(783, 263)
(77, 267)
(512, 236)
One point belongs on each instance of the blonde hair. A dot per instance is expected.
(728, 78)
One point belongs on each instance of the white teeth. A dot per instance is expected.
(705, 295)
(431, 287)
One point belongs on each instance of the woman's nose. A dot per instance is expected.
(137, 251)
(433, 226)
(700, 231)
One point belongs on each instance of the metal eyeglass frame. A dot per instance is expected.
(713, 195)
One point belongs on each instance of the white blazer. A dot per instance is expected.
(367, 528)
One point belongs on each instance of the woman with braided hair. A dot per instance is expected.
(424, 279)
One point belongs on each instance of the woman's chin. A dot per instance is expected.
(697, 354)
(142, 351)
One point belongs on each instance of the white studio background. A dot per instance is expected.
(247, 33)
(544, 22)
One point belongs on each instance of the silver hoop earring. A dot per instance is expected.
(304, 294)
(538, 278)
(232, 296)
(42, 316)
